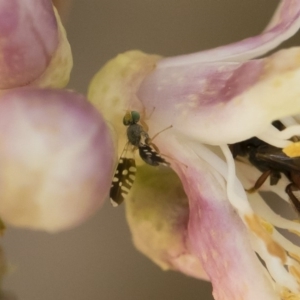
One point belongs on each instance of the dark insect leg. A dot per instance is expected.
(274, 178)
(260, 181)
(289, 190)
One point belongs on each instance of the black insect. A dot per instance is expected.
(272, 162)
(138, 138)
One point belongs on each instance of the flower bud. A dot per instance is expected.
(32, 37)
(56, 157)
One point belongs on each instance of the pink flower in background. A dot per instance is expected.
(204, 224)
(56, 155)
(34, 49)
(56, 158)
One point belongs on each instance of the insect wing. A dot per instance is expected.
(276, 159)
(151, 157)
(123, 178)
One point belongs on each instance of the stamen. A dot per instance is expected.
(235, 191)
(287, 244)
(289, 132)
(274, 265)
(276, 142)
(263, 210)
(279, 138)
(288, 121)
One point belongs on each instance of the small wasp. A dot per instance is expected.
(138, 138)
(272, 162)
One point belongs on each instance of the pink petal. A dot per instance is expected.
(113, 89)
(57, 73)
(56, 157)
(158, 222)
(29, 38)
(219, 238)
(220, 103)
(284, 24)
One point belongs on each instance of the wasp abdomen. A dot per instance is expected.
(151, 157)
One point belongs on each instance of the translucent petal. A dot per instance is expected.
(158, 222)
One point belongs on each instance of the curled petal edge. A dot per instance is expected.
(57, 73)
(284, 24)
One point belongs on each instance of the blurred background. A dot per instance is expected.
(97, 260)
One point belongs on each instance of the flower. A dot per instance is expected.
(57, 158)
(57, 153)
(212, 98)
(34, 49)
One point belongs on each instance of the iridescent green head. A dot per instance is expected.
(131, 117)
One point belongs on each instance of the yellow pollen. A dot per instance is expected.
(254, 224)
(267, 226)
(295, 256)
(288, 295)
(292, 150)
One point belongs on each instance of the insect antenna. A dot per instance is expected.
(156, 134)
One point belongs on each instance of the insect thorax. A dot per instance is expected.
(136, 135)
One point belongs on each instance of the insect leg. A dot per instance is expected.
(149, 141)
(260, 181)
(274, 178)
(289, 190)
(155, 135)
(144, 117)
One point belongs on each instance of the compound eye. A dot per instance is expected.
(127, 120)
(135, 117)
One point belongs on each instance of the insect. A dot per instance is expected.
(272, 162)
(138, 138)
